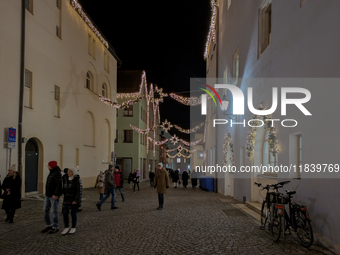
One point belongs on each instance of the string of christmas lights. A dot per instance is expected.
(158, 142)
(125, 104)
(181, 148)
(189, 101)
(76, 6)
(188, 131)
(272, 138)
(178, 155)
(135, 94)
(228, 142)
(211, 34)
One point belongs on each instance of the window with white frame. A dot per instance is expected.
(89, 79)
(56, 101)
(29, 5)
(128, 111)
(89, 49)
(104, 90)
(28, 89)
(178, 160)
(128, 136)
(265, 24)
(58, 27)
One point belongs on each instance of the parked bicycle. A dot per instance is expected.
(268, 202)
(297, 218)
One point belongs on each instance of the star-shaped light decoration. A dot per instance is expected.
(174, 140)
(166, 126)
(161, 95)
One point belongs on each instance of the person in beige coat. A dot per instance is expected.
(100, 184)
(161, 183)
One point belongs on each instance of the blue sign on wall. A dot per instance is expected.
(11, 135)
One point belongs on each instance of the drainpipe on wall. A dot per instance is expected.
(21, 93)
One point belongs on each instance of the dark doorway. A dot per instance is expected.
(31, 166)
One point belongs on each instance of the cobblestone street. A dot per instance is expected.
(192, 222)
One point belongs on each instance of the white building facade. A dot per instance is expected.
(66, 64)
(290, 44)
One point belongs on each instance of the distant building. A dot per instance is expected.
(65, 64)
(131, 146)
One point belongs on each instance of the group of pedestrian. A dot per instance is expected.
(133, 179)
(109, 183)
(185, 178)
(57, 185)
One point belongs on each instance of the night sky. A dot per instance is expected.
(164, 38)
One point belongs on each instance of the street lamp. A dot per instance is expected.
(224, 107)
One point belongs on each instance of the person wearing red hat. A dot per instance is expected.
(52, 192)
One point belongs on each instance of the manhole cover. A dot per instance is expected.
(234, 212)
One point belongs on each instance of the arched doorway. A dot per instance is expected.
(31, 165)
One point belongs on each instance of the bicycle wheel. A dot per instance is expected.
(303, 229)
(276, 225)
(264, 214)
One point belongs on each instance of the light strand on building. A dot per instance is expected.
(211, 34)
(180, 148)
(76, 6)
(228, 143)
(135, 94)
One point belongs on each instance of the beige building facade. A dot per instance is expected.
(66, 64)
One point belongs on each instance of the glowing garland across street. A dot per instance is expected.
(117, 105)
(188, 131)
(178, 155)
(166, 126)
(189, 101)
(76, 6)
(272, 138)
(228, 142)
(181, 148)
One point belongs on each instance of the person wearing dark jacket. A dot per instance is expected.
(151, 177)
(71, 191)
(110, 187)
(52, 196)
(135, 178)
(11, 187)
(80, 184)
(175, 178)
(119, 181)
(185, 178)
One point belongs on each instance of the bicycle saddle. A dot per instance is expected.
(290, 192)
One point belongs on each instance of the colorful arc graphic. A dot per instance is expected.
(208, 86)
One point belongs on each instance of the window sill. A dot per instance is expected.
(58, 117)
(267, 176)
(128, 116)
(27, 107)
(91, 146)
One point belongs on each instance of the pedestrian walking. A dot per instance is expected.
(110, 187)
(175, 178)
(100, 181)
(161, 183)
(81, 189)
(185, 178)
(193, 178)
(151, 177)
(130, 180)
(71, 191)
(135, 179)
(12, 195)
(52, 194)
(119, 181)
